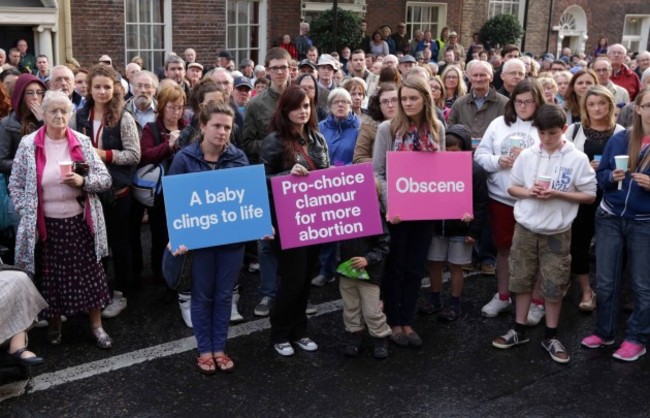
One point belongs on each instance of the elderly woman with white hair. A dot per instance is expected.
(61, 237)
(340, 129)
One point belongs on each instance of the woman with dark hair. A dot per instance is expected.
(381, 106)
(415, 128)
(204, 91)
(590, 136)
(378, 47)
(623, 231)
(310, 85)
(578, 86)
(601, 48)
(294, 147)
(114, 136)
(25, 118)
(390, 75)
(158, 145)
(504, 139)
(214, 269)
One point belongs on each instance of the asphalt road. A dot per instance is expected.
(151, 372)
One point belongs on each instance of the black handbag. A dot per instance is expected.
(177, 270)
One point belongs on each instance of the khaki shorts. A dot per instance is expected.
(452, 249)
(550, 254)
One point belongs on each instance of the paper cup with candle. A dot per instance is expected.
(621, 162)
(544, 182)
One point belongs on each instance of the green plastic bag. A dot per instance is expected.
(346, 269)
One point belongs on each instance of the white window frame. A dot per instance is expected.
(412, 26)
(307, 6)
(166, 24)
(519, 15)
(641, 38)
(242, 50)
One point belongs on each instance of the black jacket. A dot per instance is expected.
(374, 248)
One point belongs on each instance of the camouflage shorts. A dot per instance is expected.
(550, 254)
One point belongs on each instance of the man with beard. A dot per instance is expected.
(142, 106)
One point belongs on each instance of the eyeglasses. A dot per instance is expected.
(524, 102)
(520, 74)
(173, 108)
(39, 93)
(279, 68)
(340, 102)
(386, 102)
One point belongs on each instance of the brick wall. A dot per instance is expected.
(98, 28)
(537, 27)
(200, 25)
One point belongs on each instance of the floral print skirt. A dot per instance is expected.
(71, 279)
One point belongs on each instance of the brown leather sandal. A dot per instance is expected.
(222, 361)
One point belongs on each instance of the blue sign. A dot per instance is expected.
(217, 207)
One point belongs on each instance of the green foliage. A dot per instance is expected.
(501, 30)
(348, 32)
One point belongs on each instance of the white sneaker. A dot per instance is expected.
(425, 283)
(535, 314)
(321, 280)
(235, 316)
(253, 267)
(114, 308)
(284, 349)
(185, 303)
(311, 308)
(495, 307)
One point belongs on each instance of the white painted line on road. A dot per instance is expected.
(50, 380)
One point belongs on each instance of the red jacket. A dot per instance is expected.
(627, 79)
(291, 48)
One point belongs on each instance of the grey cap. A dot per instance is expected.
(407, 58)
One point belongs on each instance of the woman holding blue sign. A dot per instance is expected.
(414, 128)
(215, 269)
(294, 147)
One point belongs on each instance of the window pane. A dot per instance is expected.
(244, 38)
(242, 12)
(232, 37)
(157, 11)
(145, 36)
(158, 59)
(632, 26)
(131, 11)
(158, 37)
(131, 36)
(232, 12)
(145, 11)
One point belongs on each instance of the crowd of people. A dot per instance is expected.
(560, 150)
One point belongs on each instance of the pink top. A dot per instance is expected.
(58, 200)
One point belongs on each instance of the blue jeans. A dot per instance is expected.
(214, 273)
(268, 268)
(615, 238)
(328, 256)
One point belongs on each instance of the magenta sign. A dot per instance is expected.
(429, 185)
(328, 205)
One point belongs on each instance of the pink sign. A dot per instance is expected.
(327, 205)
(429, 185)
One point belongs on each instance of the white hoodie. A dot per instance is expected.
(496, 143)
(569, 170)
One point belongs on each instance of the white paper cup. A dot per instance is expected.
(515, 142)
(621, 162)
(65, 167)
(544, 182)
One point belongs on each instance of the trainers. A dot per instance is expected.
(594, 341)
(264, 307)
(311, 308)
(321, 280)
(426, 283)
(488, 269)
(430, 306)
(380, 351)
(253, 267)
(629, 351)
(535, 314)
(449, 314)
(114, 308)
(235, 316)
(306, 344)
(495, 307)
(510, 339)
(185, 304)
(468, 267)
(556, 350)
(284, 349)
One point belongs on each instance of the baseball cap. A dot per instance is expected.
(105, 59)
(305, 63)
(243, 82)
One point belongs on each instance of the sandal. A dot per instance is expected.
(222, 361)
(206, 365)
(103, 340)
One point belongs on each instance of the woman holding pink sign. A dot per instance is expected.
(502, 143)
(623, 230)
(61, 237)
(590, 136)
(415, 128)
(294, 147)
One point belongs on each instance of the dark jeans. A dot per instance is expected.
(119, 240)
(159, 236)
(405, 269)
(288, 317)
(582, 231)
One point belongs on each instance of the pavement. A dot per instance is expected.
(150, 372)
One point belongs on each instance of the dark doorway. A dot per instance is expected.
(9, 36)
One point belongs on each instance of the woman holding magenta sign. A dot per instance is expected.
(504, 139)
(414, 128)
(62, 236)
(294, 147)
(215, 269)
(623, 229)
(590, 136)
